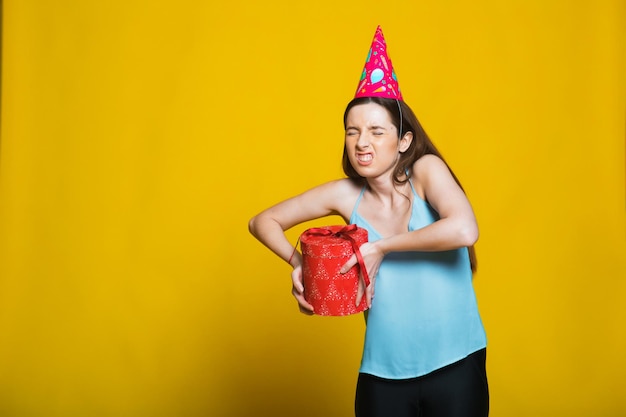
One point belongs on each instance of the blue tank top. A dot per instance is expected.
(424, 314)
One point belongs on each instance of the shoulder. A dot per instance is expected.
(428, 164)
(348, 185)
(338, 195)
(338, 188)
(342, 192)
(426, 170)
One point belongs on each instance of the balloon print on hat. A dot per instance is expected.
(376, 75)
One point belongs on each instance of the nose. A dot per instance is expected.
(363, 141)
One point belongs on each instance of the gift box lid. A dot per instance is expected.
(332, 241)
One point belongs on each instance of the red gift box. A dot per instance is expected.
(324, 251)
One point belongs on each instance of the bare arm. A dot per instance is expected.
(456, 227)
(269, 225)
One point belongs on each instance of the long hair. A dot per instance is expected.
(420, 145)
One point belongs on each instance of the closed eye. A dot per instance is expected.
(377, 130)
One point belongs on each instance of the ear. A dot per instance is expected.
(405, 142)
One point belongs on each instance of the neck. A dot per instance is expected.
(385, 190)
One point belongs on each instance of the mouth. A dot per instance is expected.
(364, 158)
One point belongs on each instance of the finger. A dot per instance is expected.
(348, 265)
(303, 310)
(305, 307)
(296, 278)
(359, 293)
(369, 294)
(302, 302)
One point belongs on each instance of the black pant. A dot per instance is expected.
(456, 390)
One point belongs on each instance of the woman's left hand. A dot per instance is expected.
(372, 257)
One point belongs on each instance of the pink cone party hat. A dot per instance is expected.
(378, 78)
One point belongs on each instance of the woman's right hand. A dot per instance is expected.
(298, 291)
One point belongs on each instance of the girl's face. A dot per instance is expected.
(372, 140)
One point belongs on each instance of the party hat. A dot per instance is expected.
(378, 78)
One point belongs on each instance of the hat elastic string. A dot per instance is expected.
(400, 111)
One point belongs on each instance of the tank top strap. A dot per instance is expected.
(412, 187)
(356, 204)
(358, 200)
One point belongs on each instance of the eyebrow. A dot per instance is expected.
(369, 128)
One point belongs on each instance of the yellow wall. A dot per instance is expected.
(138, 137)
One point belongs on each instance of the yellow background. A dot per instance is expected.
(138, 137)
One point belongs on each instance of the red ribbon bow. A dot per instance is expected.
(344, 233)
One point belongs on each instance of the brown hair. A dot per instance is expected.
(420, 145)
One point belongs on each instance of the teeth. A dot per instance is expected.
(365, 158)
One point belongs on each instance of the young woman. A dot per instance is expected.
(425, 344)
